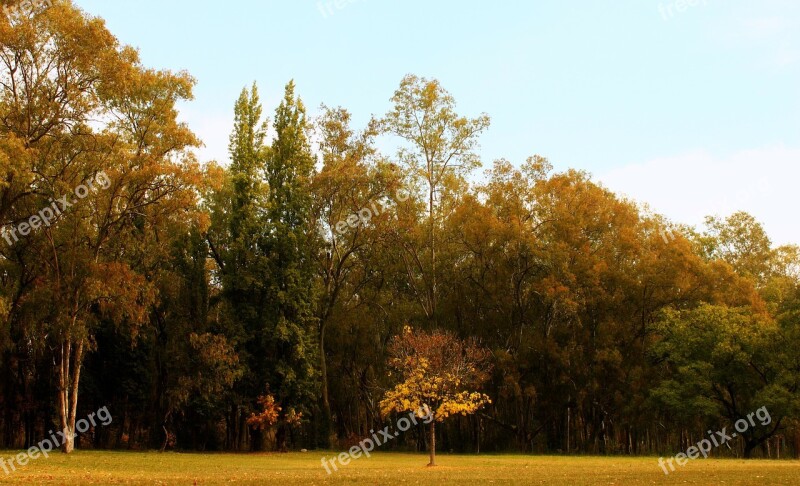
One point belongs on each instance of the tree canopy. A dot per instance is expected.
(317, 284)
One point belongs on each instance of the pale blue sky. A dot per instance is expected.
(620, 88)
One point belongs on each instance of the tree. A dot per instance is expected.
(291, 244)
(237, 240)
(264, 242)
(351, 181)
(439, 375)
(79, 111)
(441, 154)
(271, 413)
(740, 241)
(729, 362)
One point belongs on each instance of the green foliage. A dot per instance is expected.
(728, 362)
(184, 293)
(291, 244)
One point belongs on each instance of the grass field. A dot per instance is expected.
(305, 469)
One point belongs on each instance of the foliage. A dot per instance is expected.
(270, 414)
(177, 293)
(439, 376)
(438, 373)
(725, 362)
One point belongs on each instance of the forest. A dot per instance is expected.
(270, 303)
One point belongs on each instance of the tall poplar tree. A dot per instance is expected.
(291, 242)
(239, 223)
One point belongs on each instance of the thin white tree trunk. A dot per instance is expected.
(69, 381)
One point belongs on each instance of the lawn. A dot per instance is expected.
(305, 469)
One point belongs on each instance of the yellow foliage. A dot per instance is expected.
(443, 389)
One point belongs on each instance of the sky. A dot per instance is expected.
(689, 106)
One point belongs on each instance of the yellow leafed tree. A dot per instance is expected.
(440, 375)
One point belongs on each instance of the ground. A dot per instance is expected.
(306, 469)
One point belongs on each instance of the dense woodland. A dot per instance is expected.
(189, 294)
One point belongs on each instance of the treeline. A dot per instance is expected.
(199, 302)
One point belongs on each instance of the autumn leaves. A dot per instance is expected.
(91, 156)
(50, 214)
(439, 373)
(25, 7)
(376, 208)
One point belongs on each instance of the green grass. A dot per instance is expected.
(386, 469)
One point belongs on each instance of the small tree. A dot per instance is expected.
(440, 374)
(272, 414)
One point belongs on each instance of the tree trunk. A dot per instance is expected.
(69, 442)
(433, 444)
(324, 372)
(69, 376)
(431, 213)
(281, 438)
(748, 448)
(257, 442)
(326, 404)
